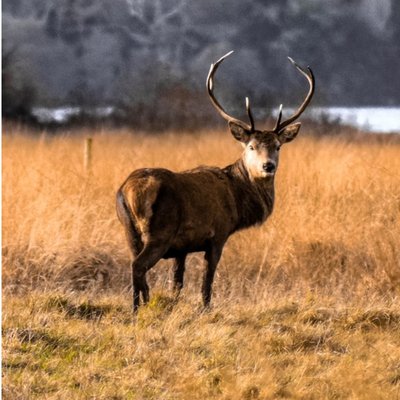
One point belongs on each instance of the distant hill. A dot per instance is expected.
(116, 52)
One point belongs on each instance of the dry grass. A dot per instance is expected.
(305, 307)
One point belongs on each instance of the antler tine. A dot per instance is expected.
(278, 120)
(249, 114)
(219, 108)
(311, 80)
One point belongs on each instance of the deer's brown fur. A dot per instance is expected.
(170, 214)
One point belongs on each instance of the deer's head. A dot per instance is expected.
(261, 148)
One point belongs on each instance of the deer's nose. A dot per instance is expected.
(269, 167)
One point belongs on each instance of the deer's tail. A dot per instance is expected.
(126, 218)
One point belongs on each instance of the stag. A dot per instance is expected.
(169, 214)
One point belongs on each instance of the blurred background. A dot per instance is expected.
(144, 63)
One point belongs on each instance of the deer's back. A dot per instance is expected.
(187, 209)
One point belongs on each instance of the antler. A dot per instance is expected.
(222, 112)
(311, 80)
(278, 125)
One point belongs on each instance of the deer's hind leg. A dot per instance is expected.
(179, 271)
(146, 259)
(140, 264)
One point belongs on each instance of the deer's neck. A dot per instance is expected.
(254, 197)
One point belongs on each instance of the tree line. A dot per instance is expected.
(148, 60)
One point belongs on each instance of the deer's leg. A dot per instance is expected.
(145, 260)
(179, 270)
(135, 287)
(212, 256)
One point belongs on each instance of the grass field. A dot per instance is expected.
(305, 307)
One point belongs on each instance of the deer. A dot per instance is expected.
(169, 214)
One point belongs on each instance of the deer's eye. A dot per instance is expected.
(251, 147)
(278, 148)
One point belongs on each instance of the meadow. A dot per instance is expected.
(306, 306)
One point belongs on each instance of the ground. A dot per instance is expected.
(304, 307)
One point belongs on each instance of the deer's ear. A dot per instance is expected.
(289, 133)
(239, 132)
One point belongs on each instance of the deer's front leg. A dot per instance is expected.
(212, 256)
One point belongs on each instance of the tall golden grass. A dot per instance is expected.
(335, 227)
(305, 306)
